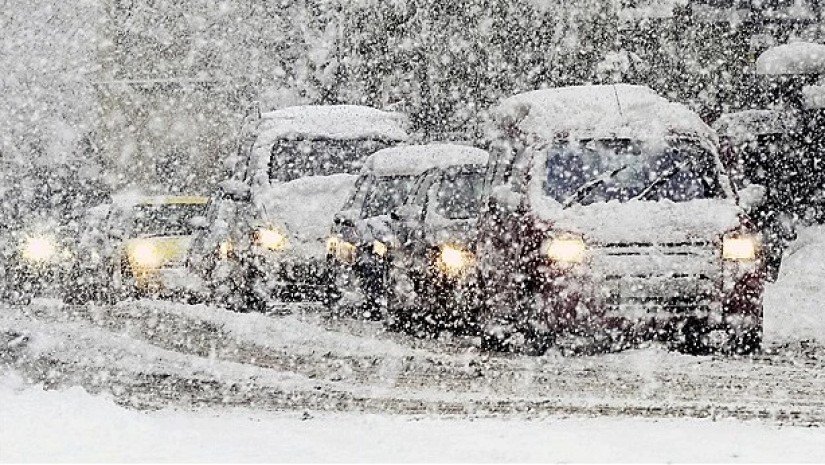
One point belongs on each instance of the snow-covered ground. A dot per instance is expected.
(202, 383)
(795, 303)
(72, 425)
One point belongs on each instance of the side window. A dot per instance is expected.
(459, 194)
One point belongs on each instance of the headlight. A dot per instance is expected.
(454, 260)
(224, 249)
(145, 254)
(271, 239)
(741, 248)
(566, 249)
(345, 251)
(379, 248)
(39, 249)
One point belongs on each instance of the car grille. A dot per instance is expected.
(652, 277)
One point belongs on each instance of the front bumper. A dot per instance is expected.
(288, 279)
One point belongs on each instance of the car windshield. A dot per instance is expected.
(385, 194)
(294, 159)
(459, 196)
(166, 220)
(603, 170)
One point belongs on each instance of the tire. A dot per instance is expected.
(695, 335)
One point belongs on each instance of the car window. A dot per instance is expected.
(459, 195)
(294, 159)
(385, 194)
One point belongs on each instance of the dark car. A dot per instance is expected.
(433, 283)
(269, 222)
(364, 238)
(611, 221)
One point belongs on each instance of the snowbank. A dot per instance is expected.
(415, 159)
(620, 110)
(795, 303)
(794, 58)
(341, 122)
(71, 425)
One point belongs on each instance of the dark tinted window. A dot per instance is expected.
(294, 159)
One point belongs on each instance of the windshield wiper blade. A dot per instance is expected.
(661, 179)
(587, 187)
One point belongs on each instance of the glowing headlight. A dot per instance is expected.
(145, 255)
(379, 248)
(742, 248)
(39, 249)
(345, 251)
(271, 239)
(453, 260)
(224, 249)
(566, 249)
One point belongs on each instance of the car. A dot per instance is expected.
(363, 237)
(432, 275)
(137, 247)
(270, 220)
(762, 147)
(611, 221)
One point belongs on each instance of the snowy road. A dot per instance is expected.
(154, 355)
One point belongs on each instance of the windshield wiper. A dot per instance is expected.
(664, 177)
(587, 187)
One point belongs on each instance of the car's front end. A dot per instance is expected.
(618, 243)
(435, 283)
(702, 294)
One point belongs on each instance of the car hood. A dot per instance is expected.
(304, 209)
(648, 222)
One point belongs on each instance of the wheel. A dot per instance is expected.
(698, 338)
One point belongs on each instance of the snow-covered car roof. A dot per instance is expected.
(601, 111)
(793, 58)
(340, 122)
(416, 159)
(746, 125)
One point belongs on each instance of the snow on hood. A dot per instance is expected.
(340, 122)
(621, 110)
(645, 221)
(794, 58)
(305, 208)
(416, 159)
(746, 125)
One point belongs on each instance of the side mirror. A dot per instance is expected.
(235, 190)
(752, 197)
